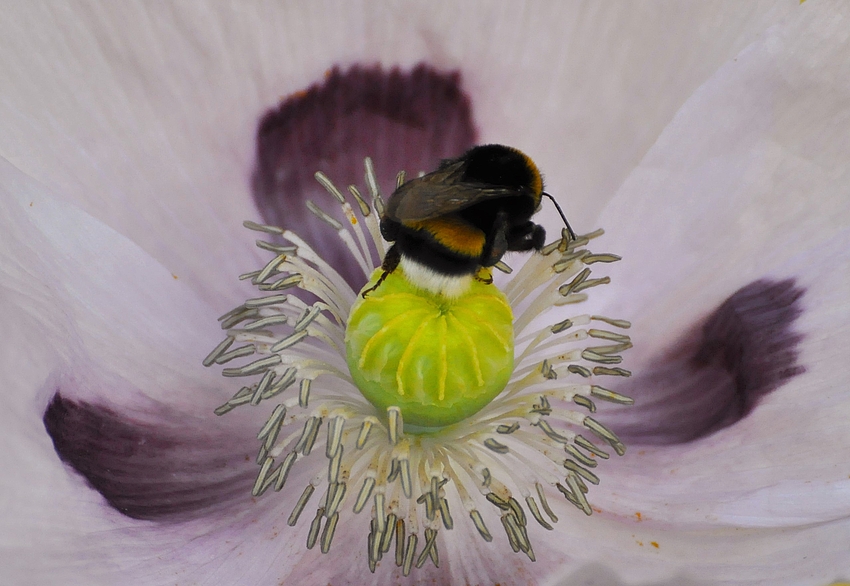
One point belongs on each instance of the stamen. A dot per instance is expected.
(307, 319)
(611, 396)
(289, 341)
(262, 227)
(240, 352)
(395, 424)
(535, 512)
(364, 494)
(478, 521)
(315, 526)
(299, 506)
(365, 428)
(328, 533)
(261, 388)
(410, 476)
(273, 422)
(542, 496)
(219, 350)
(387, 538)
(261, 477)
(304, 393)
(399, 542)
(337, 497)
(283, 473)
(268, 301)
(584, 402)
(409, 552)
(506, 429)
(601, 370)
(605, 434)
(335, 428)
(584, 473)
(281, 384)
(590, 447)
(497, 447)
(265, 322)
(448, 522)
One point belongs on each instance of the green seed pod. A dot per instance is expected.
(440, 360)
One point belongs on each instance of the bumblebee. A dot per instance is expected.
(446, 225)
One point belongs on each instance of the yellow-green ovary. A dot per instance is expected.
(440, 360)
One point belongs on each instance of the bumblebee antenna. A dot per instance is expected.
(563, 217)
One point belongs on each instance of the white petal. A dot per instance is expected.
(146, 113)
(752, 169)
(88, 314)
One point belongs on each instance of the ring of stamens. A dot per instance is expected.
(532, 440)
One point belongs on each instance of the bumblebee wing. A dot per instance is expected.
(437, 194)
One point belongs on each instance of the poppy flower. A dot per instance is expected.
(137, 139)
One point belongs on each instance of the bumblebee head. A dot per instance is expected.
(503, 166)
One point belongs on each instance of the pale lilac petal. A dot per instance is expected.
(767, 499)
(752, 170)
(146, 113)
(748, 185)
(109, 338)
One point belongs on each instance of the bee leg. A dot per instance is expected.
(487, 279)
(497, 244)
(390, 264)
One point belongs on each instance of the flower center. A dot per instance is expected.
(431, 405)
(438, 359)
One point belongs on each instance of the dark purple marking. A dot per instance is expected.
(715, 376)
(173, 470)
(403, 120)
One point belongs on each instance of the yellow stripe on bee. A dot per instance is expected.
(537, 179)
(453, 233)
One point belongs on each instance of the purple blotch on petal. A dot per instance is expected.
(175, 469)
(403, 120)
(717, 374)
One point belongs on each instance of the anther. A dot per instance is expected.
(602, 370)
(399, 542)
(575, 453)
(319, 213)
(262, 228)
(267, 301)
(304, 393)
(478, 521)
(506, 429)
(335, 429)
(283, 472)
(409, 553)
(218, 351)
(365, 428)
(299, 506)
(261, 476)
(583, 401)
(544, 503)
(289, 341)
(583, 472)
(307, 318)
(313, 535)
(396, 425)
(273, 422)
(328, 533)
(226, 357)
(281, 384)
(535, 512)
(607, 395)
(495, 446)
